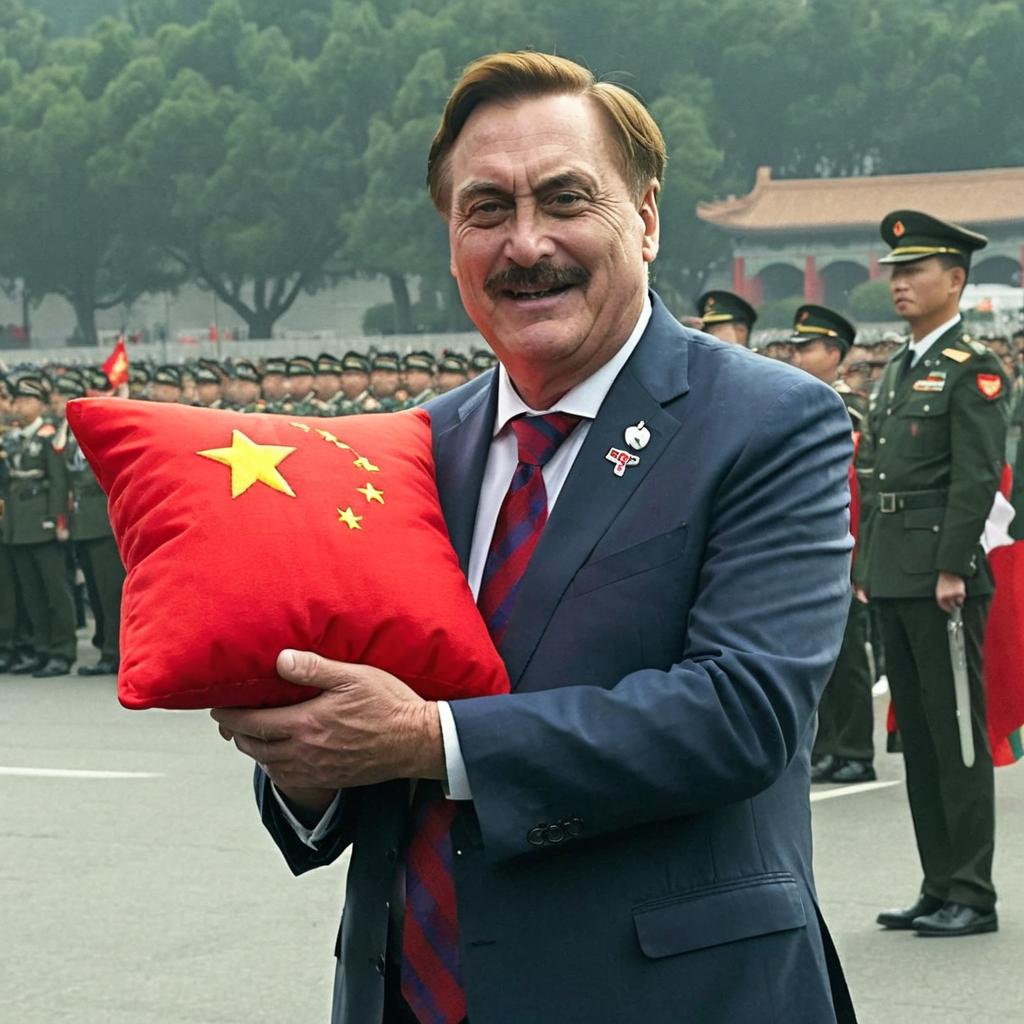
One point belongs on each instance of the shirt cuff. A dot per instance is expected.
(457, 785)
(309, 836)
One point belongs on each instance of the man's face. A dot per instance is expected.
(384, 383)
(207, 393)
(168, 393)
(780, 350)
(818, 359)
(449, 380)
(417, 381)
(274, 387)
(549, 249)
(246, 392)
(922, 288)
(354, 383)
(327, 386)
(300, 385)
(58, 403)
(27, 409)
(725, 330)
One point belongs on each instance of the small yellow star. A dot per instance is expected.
(342, 446)
(327, 435)
(350, 519)
(365, 464)
(251, 463)
(301, 426)
(371, 493)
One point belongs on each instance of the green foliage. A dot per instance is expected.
(871, 301)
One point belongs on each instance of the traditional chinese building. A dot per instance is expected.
(819, 237)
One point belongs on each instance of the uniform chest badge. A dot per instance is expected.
(935, 381)
(990, 384)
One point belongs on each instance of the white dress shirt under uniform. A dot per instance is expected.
(583, 400)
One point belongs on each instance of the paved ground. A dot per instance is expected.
(156, 898)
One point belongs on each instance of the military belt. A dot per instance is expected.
(903, 500)
(27, 474)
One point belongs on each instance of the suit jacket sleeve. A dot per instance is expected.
(725, 722)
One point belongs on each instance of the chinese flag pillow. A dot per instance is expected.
(244, 534)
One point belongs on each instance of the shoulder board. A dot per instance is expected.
(978, 347)
(956, 354)
(842, 387)
(46, 430)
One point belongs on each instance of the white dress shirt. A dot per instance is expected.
(920, 347)
(584, 400)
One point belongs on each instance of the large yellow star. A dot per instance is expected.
(350, 519)
(251, 463)
(371, 493)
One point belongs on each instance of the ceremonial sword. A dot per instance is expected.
(961, 689)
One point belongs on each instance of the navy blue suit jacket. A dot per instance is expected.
(638, 847)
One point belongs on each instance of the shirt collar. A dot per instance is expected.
(586, 397)
(920, 347)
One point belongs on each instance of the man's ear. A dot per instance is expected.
(648, 211)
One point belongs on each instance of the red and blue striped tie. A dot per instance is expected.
(431, 972)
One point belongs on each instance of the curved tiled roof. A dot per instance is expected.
(988, 197)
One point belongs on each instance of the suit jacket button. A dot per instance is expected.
(535, 837)
(574, 827)
(555, 833)
(378, 963)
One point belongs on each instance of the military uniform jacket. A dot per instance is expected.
(931, 457)
(37, 490)
(88, 519)
(856, 405)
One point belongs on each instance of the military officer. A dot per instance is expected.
(208, 388)
(727, 316)
(138, 382)
(244, 385)
(300, 399)
(935, 442)
(385, 380)
(844, 746)
(166, 385)
(355, 386)
(327, 384)
(34, 529)
(451, 372)
(275, 383)
(418, 377)
(480, 361)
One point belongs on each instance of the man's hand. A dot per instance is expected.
(950, 591)
(861, 594)
(366, 727)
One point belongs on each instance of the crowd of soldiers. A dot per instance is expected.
(57, 550)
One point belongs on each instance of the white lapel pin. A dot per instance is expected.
(638, 437)
(622, 459)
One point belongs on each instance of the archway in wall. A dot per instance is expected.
(996, 270)
(780, 281)
(839, 279)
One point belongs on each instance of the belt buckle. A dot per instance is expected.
(887, 502)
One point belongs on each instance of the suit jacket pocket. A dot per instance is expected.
(922, 528)
(637, 558)
(714, 915)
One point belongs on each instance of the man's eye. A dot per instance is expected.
(566, 199)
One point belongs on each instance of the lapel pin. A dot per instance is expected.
(638, 437)
(622, 459)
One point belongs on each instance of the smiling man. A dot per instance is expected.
(655, 525)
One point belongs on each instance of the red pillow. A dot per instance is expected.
(244, 534)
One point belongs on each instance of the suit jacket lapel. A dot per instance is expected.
(593, 495)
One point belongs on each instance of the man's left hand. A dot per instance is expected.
(950, 592)
(366, 727)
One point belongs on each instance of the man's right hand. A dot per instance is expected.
(860, 593)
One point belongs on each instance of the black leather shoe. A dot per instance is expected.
(54, 667)
(26, 665)
(854, 771)
(822, 769)
(101, 668)
(956, 919)
(904, 919)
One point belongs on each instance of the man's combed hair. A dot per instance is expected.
(507, 77)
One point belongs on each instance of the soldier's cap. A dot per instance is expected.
(275, 365)
(96, 379)
(482, 359)
(328, 364)
(912, 235)
(30, 387)
(138, 375)
(419, 361)
(244, 370)
(301, 366)
(817, 323)
(168, 375)
(354, 362)
(719, 307)
(452, 363)
(386, 361)
(71, 385)
(213, 366)
(204, 375)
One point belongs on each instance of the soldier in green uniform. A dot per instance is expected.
(451, 372)
(166, 385)
(138, 382)
(244, 387)
(385, 379)
(934, 440)
(208, 388)
(275, 383)
(34, 529)
(727, 316)
(418, 377)
(93, 539)
(480, 361)
(355, 397)
(844, 746)
(327, 384)
(300, 399)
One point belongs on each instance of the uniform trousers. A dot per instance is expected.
(846, 712)
(953, 807)
(104, 573)
(15, 635)
(42, 576)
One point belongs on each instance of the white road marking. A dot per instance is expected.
(74, 773)
(860, 787)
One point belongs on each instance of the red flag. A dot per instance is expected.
(1004, 653)
(116, 366)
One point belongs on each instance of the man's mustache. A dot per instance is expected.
(541, 277)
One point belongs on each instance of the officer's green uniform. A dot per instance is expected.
(15, 635)
(37, 503)
(934, 441)
(844, 745)
(720, 307)
(424, 362)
